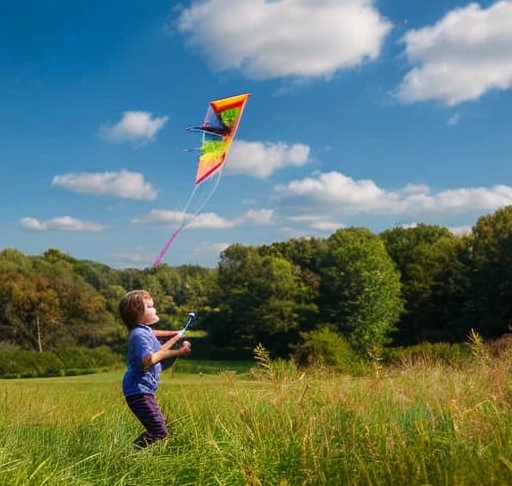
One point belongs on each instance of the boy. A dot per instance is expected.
(145, 353)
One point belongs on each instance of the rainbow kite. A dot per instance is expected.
(218, 131)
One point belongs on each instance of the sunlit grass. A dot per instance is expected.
(422, 424)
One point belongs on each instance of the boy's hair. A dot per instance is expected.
(131, 307)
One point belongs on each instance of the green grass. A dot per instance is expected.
(416, 425)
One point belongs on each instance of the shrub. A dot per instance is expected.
(429, 354)
(77, 358)
(20, 363)
(326, 347)
(502, 347)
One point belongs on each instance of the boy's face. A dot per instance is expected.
(149, 317)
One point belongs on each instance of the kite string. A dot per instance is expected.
(212, 190)
(184, 223)
(176, 232)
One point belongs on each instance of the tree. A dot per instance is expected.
(259, 298)
(303, 254)
(430, 261)
(31, 310)
(360, 289)
(490, 255)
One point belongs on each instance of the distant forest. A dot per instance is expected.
(399, 288)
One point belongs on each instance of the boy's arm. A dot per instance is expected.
(166, 352)
(161, 333)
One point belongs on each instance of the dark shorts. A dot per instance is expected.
(147, 411)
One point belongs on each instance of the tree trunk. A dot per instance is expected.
(39, 342)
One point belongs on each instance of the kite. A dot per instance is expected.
(218, 131)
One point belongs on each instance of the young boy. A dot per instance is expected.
(145, 353)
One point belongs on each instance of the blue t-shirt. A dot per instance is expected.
(142, 342)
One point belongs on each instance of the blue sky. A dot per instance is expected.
(361, 113)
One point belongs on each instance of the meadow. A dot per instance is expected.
(418, 423)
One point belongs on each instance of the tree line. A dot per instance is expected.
(363, 290)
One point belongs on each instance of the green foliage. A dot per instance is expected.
(47, 305)
(327, 347)
(478, 347)
(405, 286)
(490, 270)
(20, 363)
(99, 358)
(259, 300)
(360, 289)
(419, 257)
(434, 288)
(429, 354)
(276, 371)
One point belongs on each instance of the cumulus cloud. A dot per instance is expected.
(460, 230)
(260, 160)
(205, 220)
(211, 248)
(135, 257)
(134, 126)
(283, 38)
(256, 217)
(461, 57)
(210, 221)
(160, 216)
(61, 223)
(316, 222)
(340, 193)
(123, 184)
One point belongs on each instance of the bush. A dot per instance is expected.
(501, 347)
(88, 358)
(430, 354)
(326, 347)
(19, 363)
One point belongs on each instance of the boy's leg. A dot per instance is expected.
(147, 411)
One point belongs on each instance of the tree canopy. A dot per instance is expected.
(400, 287)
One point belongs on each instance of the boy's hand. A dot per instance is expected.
(186, 348)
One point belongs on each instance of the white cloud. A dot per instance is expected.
(135, 257)
(210, 221)
(339, 193)
(123, 184)
(316, 222)
(460, 230)
(134, 126)
(211, 248)
(260, 160)
(460, 58)
(160, 216)
(61, 223)
(281, 38)
(205, 220)
(255, 217)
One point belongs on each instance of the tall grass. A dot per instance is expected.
(417, 424)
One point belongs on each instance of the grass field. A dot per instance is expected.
(415, 425)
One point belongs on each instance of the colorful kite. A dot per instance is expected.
(218, 131)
